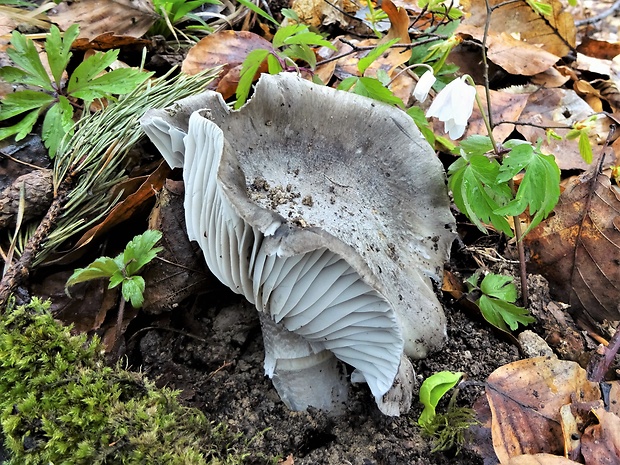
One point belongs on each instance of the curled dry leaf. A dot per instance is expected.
(578, 248)
(600, 445)
(554, 34)
(96, 17)
(227, 49)
(526, 397)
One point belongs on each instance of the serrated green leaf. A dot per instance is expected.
(58, 50)
(141, 250)
(133, 291)
(273, 64)
(118, 81)
(375, 53)
(25, 55)
(25, 100)
(103, 267)
(371, 87)
(258, 11)
(475, 144)
(57, 123)
(250, 67)
(540, 187)
(432, 390)
(541, 8)
(419, 118)
(21, 129)
(285, 32)
(301, 52)
(12, 74)
(308, 38)
(503, 315)
(117, 278)
(499, 286)
(347, 83)
(585, 149)
(89, 69)
(476, 192)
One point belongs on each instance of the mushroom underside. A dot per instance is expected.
(318, 231)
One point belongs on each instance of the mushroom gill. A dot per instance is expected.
(328, 211)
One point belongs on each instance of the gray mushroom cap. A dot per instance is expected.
(329, 212)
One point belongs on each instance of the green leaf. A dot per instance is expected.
(290, 14)
(476, 144)
(118, 81)
(375, 53)
(419, 118)
(90, 69)
(371, 87)
(477, 193)
(301, 52)
(133, 291)
(258, 11)
(13, 74)
(250, 67)
(432, 390)
(57, 123)
(541, 8)
(58, 50)
(103, 267)
(503, 315)
(25, 55)
(347, 83)
(585, 149)
(285, 32)
(21, 129)
(141, 250)
(540, 187)
(116, 279)
(308, 38)
(23, 101)
(273, 64)
(499, 286)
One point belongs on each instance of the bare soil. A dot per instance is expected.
(212, 352)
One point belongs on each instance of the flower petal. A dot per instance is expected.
(423, 86)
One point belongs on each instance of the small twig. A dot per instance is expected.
(604, 357)
(599, 17)
(18, 271)
(534, 125)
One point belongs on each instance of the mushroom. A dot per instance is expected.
(329, 212)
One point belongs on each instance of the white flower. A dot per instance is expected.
(454, 105)
(423, 86)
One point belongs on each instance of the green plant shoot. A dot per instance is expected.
(123, 268)
(58, 103)
(432, 390)
(497, 301)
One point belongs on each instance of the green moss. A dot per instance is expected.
(61, 404)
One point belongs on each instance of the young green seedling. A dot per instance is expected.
(57, 96)
(498, 293)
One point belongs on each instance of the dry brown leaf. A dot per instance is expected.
(600, 444)
(110, 40)
(599, 48)
(614, 397)
(227, 49)
(578, 248)
(180, 269)
(95, 17)
(526, 397)
(553, 108)
(318, 12)
(553, 77)
(505, 106)
(555, 34)
(540, 459)
(515, 56)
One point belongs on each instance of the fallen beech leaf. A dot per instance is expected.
(539, 459)
(318, 12)
(599, 48)
(555, 34)
(96, 17)
(526, 397)
(505, 106)
(109, 41)
(578, 249)
(600, 444)
(515, 56)
(556, 108)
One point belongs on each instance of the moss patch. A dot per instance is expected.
(60, 403)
